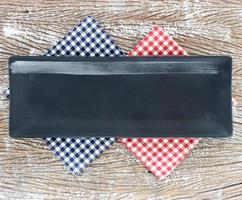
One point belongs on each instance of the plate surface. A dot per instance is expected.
(120, 97)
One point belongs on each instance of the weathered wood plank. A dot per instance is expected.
(28, 170)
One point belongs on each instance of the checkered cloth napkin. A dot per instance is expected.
(159, 155)
(86, 39)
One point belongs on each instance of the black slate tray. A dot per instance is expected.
(120, 97)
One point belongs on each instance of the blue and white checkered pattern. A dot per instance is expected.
(78, 153)
(86, 39)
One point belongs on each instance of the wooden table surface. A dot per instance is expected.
(28, 170)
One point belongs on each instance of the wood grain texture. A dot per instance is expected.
(28, 170)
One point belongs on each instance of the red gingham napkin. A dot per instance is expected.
(159, 155)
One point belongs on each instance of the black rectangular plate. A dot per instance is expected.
(120, 97)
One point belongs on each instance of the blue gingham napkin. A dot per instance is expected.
(86, 39)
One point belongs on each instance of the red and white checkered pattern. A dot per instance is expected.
(159, 155)
(157, 43)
